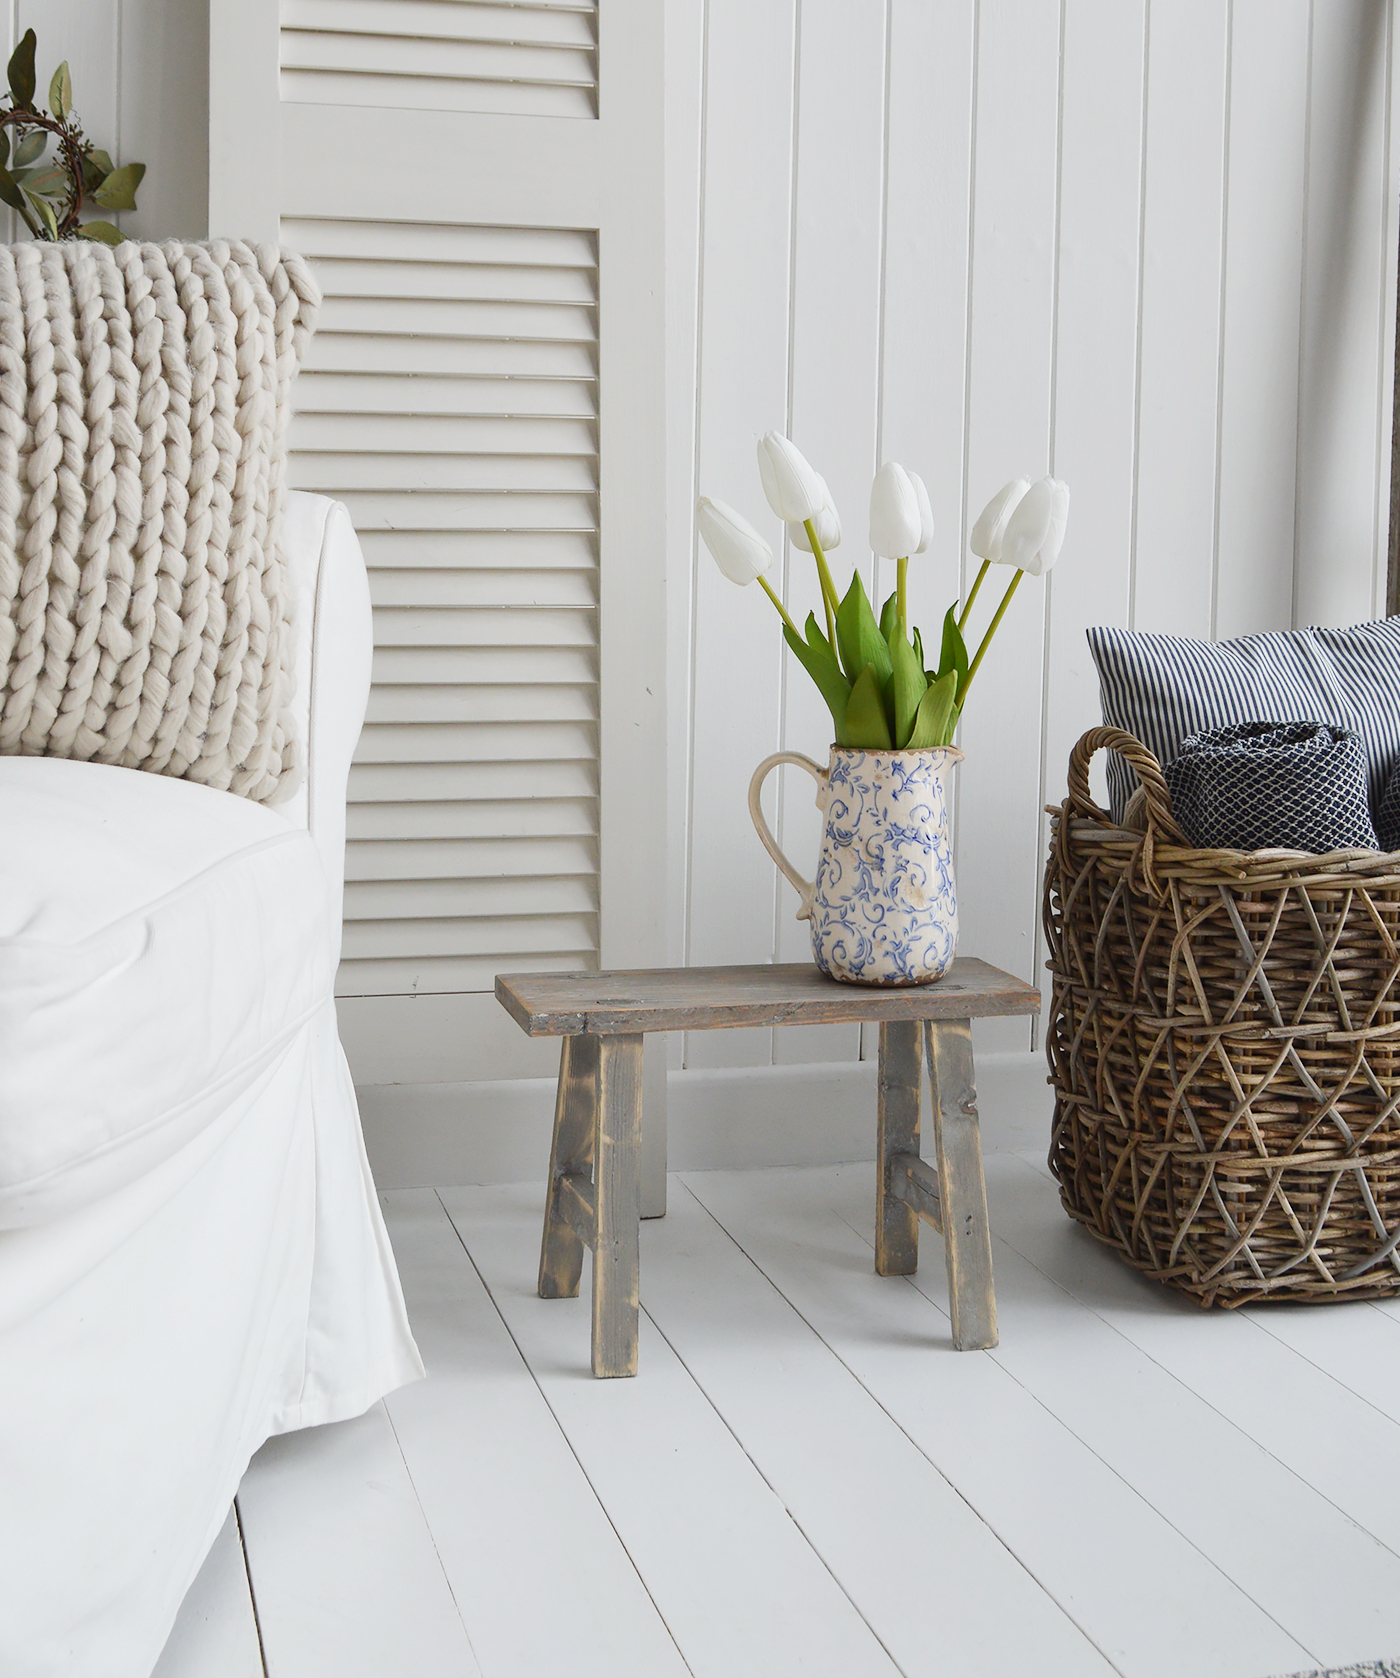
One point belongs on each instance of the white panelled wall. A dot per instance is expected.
(1146, 245)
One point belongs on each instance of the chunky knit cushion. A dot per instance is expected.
(1163, 688)
(144, 395)
(1299, 786)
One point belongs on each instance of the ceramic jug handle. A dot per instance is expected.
(805, 888)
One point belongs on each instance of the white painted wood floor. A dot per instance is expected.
(806, 1479)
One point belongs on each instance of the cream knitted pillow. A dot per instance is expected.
(144, 397)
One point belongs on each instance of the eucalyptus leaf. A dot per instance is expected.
(937, 716)
(858, 635)
(100, 161)
(817, 658)
(21, 73)
(118, 191)
(53, 183)
(102, 231)
(4, 147)
(908, 684)
(954, 653)
(61, 92)
(865, 714)
(9, 191)
(45, 212)
(889, 616)
(31, 148)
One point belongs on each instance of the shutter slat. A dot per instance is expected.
(558, 588)
(511, 820)
(451, 975)
(451, 401)
(470, 859)
(426, 19)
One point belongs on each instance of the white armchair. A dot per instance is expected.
(191, 1253)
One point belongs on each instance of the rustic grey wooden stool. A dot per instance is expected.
(593, 1169)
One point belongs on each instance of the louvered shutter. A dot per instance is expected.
(478, 188)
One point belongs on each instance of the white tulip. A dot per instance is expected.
(901, 519)
(989, 533)
(828, 523)
(1035, 532)
(794, 489)
(739, 550)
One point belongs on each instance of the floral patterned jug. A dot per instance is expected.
(883, 907)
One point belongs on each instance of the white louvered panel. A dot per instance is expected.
(518, 58)
(450, 399)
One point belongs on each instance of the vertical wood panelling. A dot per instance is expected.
(835, 346)
(1142, 243)
(1009, 432)
(743, 391)
(1345, 258)
(1096, 388)
(1263, 291)
(1173, 583)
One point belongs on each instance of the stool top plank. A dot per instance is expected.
(715, 998)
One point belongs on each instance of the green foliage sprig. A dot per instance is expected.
(48, 190)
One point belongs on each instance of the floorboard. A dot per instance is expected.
(1200, 1470)
(544, 1583)
(1141, 1591)
(920, 1563)
(697, 1518)
(1305, 1418)
(345, 1575)
(215, 1634)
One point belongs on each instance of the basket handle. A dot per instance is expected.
(1145, 766)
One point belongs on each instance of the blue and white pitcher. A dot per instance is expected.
(883, 907)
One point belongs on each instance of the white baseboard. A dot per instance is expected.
(440, 1134)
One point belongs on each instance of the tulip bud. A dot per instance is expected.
(901, 519)
(739, 550)
(794, 489)
(989, 533)
(1035, 532)
(828, 523)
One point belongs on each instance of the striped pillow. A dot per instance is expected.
(1163, 688)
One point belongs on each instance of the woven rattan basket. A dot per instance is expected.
(1224, 1043)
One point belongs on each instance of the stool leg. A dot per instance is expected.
(575, 1101)
(616, 1182)
(967, 1238)
(897, 1132)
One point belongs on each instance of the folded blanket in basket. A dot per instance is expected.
(1255, 786)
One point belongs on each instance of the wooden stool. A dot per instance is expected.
(593, 1168)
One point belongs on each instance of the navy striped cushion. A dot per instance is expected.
(1163, 688)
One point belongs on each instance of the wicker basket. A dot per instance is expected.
(1224, 1043)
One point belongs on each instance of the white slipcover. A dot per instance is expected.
(191, 1253)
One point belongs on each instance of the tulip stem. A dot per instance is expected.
(967, 610)
(782, 610)
(901, 567)
(830, 599)
(986, 639)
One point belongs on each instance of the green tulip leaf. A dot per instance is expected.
(102, 231)
(61, 92)
(21, 73)
(865, 714)
(9, 190)
(954, 653)
(858, 635)
(907, 684)
(919, 647)
(937, 716)
(118, 191)
(45, 210)
(818, 660)
(889, 616)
